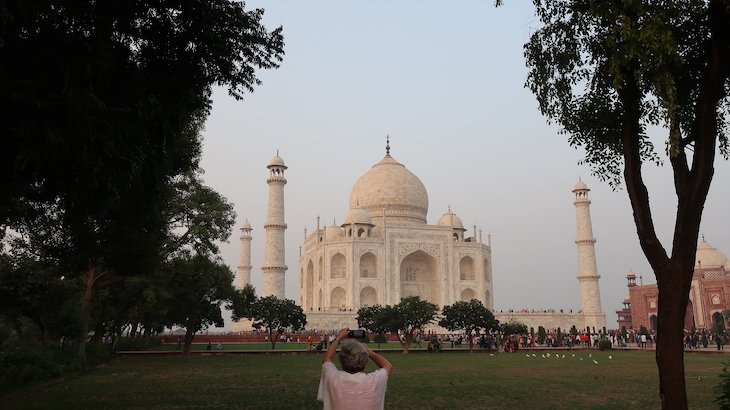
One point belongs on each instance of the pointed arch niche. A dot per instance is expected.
(338, 266)
(466, 268)
(368, 265)
(368, 297)
(338, 298)
(418, 277)
(309, 288)
(468, 294)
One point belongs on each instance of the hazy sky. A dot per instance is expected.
(445, 81)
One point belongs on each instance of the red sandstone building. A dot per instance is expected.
(709, 296)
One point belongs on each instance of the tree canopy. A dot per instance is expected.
(277, 316)
(101, 111)
(470, 317)
(607, 72)
(406, 318)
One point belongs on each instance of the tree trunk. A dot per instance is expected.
(673, 295)
(86, 301)
(189, 334)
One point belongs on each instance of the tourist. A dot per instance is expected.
(351, 387)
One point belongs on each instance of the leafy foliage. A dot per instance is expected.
(408, 316)
(103, 104)
(513, 327)
(469, 316)
(277, 316)
(607, 71)
(198, 286)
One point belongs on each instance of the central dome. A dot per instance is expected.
(391, 187)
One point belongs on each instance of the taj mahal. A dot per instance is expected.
(385, 250)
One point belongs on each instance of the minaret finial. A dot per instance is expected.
(703, 237)
(387, 144)
(449, 207)
(277, 152)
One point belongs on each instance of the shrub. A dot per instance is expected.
(25, 365)
(604, 344)
(380, 338)
(722, 389)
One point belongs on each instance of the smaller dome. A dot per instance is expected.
(246, 225)
(358, 216)
(631, 275)
(627, 299)
(277, 161)
(451, 220)
(334, 231)
(709, 257)
(580, 186)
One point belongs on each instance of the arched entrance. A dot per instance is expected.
(418, 277)
(653, 321)
(718, 321)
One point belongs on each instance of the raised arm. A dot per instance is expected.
(330, 353)
(379, 360)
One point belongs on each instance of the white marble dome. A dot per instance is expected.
(580, 186)
(709, 257)
(334, 231)
(277, 161)
(450, 219)
(358, 216)
(389, 185)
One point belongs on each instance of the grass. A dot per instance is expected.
(419, 380)
(168, 347)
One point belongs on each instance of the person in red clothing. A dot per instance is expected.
(351, 388)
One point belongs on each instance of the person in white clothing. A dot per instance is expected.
(351, 388)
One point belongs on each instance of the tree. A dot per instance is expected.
(102, 106)
(513, 327)
(606, 72)
(469, 316)
(198, 286)
(277, 316)
(406, 318)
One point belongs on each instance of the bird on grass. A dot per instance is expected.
(594, 361)
(610, 358)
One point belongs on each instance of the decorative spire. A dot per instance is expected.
(387, 144)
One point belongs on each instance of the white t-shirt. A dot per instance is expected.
(360, 391)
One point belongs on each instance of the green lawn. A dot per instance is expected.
(419, 380)
(282, 346)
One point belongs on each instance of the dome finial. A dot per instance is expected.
(387, 144)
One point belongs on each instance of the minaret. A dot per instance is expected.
(274, 263)
(590, 296)
(243, 272)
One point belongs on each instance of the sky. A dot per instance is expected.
(445, 80)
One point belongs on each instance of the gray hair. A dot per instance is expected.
(353, 356)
